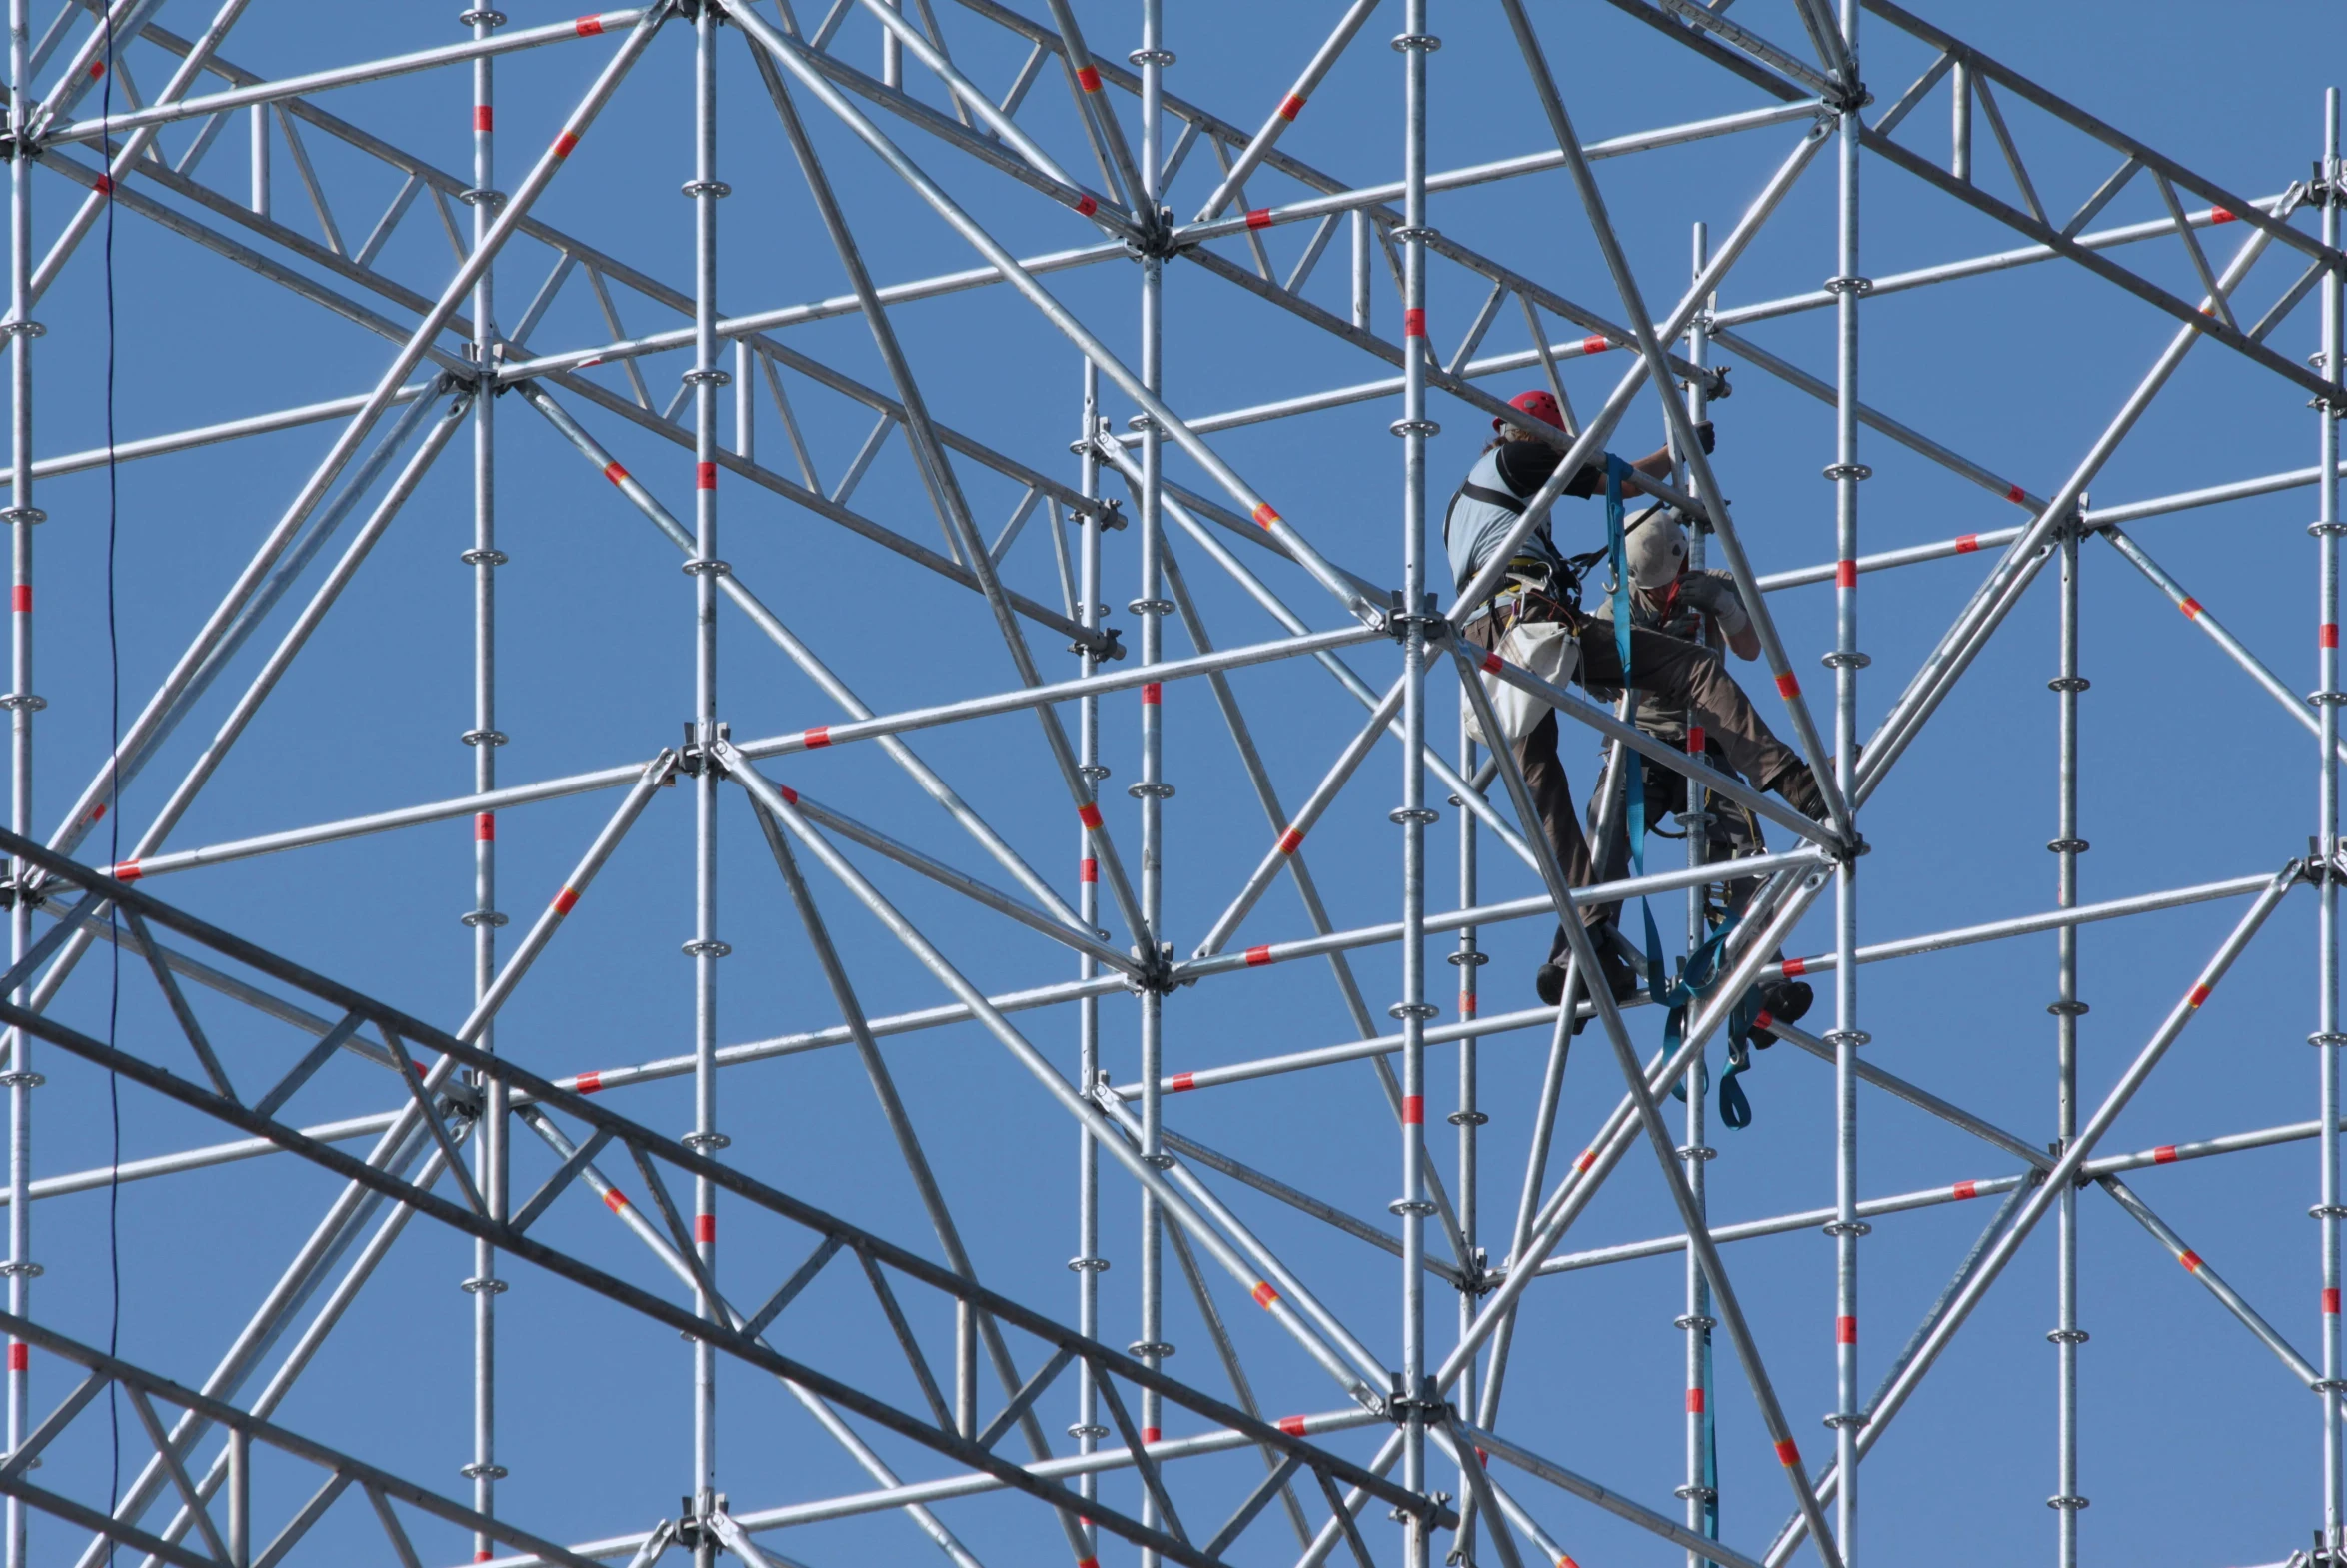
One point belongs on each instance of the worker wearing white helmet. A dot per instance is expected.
(1698, 606)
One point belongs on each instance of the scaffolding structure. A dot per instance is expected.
(1409, 1458)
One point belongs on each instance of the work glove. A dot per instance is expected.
(1706, 435)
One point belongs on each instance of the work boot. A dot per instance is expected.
(1798, 785)
(1619, 978)
(1784, 1001)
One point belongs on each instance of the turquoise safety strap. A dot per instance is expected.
(1617, 550)
(1703, 973)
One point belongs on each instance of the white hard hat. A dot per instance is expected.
(1657, 549)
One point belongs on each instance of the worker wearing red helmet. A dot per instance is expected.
(1541, 588)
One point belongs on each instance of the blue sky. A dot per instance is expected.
(2199, 1448)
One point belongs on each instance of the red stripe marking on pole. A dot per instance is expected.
(1761, 1020)
(1291, 840)
(1089, 78)
(2328, 637)
(1466, 1004)
(1788, 1453)
(705, 476)
(1694, 1401)
(485, 827)
(1149, 1434)
(564, 144)
(2190, 1261)
(589, 26)
(103, 185)
(1967, 543)
(1845, 1330)
(1088, 1562)
(787, 793)
(1846, 574)
(97, 69)
(705, 1228)
(1293, 1425)
(816, 736)
(2331, 1301)
(1795, 967)
(1413, 1110)
(2199, 995)
(1414, 324)
(1257, 957)
(1086, 205)
(1260, 218)
(1265, 516)
(2221, 215)
(1265, 1295)
(2190, 607)
(1089, 872)
(126, 871)
(97, 812)
(20, 598)
(566, 901)
(589, 1083)
(1183, 1082)
(1595, 344)
(1494, 664)
(1293, 107)
(1964, 1190)
(2165, 1154)
(1089, 814)
(2014, 495)
(1588, 1159)
(615, 1200)
(613, 473)
(1562, 1560)
(20, 1356)
(1694, 739)
(1152, 692)
(1790, 685)
(484, 117)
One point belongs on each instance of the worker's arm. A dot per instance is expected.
(1714, 594)
(1657, 463)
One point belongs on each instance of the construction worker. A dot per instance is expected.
(1696, 607)
(1541, 585)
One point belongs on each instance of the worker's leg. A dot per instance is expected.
(1687, 671)
(1551, 793)
(1734, 834)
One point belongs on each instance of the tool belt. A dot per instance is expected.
(1533, 593)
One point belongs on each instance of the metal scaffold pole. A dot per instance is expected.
(705, 949)
(1150, 607)
(1850, 285)
(2066, 1335)
(22, 515)
(489, 1143)
(1088, 1263)
(2331, 1207)
(1413, 1010)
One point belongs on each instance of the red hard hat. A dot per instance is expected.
(1539, 404)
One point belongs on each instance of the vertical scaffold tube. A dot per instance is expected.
(1702, 1491)
(2327, 1036)
(1415, 428)
(2066, 1335)
(22, 705)
(1469, 1118)
(704, 949)
(485, 737)
(1151, 789)
(1849, 285)
(1088, 1262)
